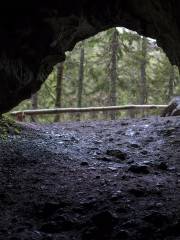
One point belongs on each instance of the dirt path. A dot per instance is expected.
(92, 181)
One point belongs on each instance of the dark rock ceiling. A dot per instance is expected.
(36, 34)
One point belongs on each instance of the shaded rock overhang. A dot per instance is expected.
(36, 34)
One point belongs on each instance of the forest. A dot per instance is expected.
(114, 67)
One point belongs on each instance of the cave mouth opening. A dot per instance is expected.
(34, 36)
(114, 67)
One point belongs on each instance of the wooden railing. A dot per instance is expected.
(20, 115)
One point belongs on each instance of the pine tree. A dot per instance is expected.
(143, 79)
(114, 45)
(59, 81)
(80, 78)
(34, 101)
(171, 83)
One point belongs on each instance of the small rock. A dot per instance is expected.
(98, 177)
(156, 219)
(122, 210)
(125, 176)
(89, 233)
(97, 141)
(105, 159)
(59, 224)
(130, 161)
(111, 139)
(112, 168)
(124, 123)
(104, 220)
(169, 131)
(49, 208)
(159, 204)
(135, 145)
(14, 238)
(84, 163)
(92, 168)
(172, 168)
(50, 227)
(156, 191)
(144, 152)
(116, 196)
(175, 141)
(162, 166)
(146, 231)
(130, 224)
(146, 162)
(149, 140)
(137, 168)
(123, 234)
(138, 192)
(117, 153)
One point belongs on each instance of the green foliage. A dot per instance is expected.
(8, 126)
(96, 79)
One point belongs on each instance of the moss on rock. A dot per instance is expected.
(8, 127)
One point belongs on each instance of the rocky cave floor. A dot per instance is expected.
(91, 181)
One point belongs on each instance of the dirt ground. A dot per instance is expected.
(116, 180)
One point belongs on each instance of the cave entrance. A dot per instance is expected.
(114, 67)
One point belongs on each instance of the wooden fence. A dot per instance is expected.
(20, 115)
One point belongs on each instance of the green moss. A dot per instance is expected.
(8, 127)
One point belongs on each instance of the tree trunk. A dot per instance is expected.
(80, 79)
(131, 112)
(113, 71)
(133, 96)
(58, 102)
(143, 80)
(171, 83)
(34, 102)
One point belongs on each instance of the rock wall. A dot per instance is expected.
(36, 34)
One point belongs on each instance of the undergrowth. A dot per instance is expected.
(8, 127)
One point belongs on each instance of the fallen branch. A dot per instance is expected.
(85, 109)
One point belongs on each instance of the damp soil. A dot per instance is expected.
(105, 180)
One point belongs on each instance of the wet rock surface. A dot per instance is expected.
(56, 184)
